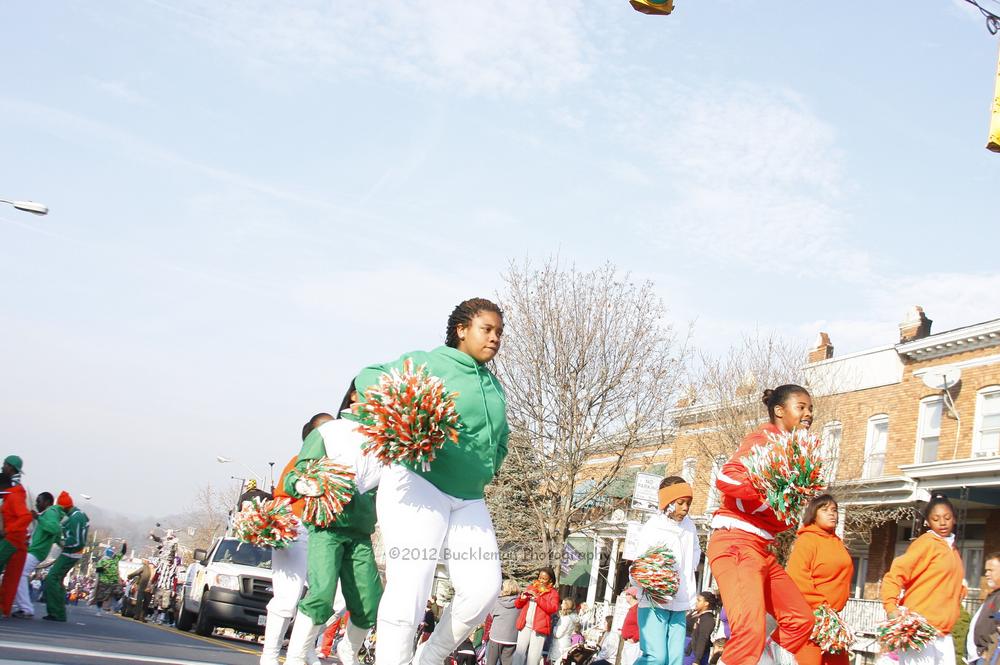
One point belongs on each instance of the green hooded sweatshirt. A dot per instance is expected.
(74, 531)
(464, 469)
(47, 531)
(358, 517)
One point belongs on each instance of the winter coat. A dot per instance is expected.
(546, 604)
(821, 567)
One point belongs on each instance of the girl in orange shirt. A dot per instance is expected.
(821, 568)
(929, 576)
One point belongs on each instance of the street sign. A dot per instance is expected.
(630, 552)
(644, 497)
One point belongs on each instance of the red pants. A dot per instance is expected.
(12, 571)
(810, 654)
(753, 585)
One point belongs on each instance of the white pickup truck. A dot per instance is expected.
(227, 587)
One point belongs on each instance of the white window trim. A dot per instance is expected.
(693, 463)
(918, 449)
(714, 499)
(869, 441)
(833, 424)
(980, 398)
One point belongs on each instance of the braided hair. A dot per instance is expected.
(463, 314)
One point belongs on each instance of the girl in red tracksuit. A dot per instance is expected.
(751, 581)
(537, 603)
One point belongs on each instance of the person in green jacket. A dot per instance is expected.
(75, 526)
(108, 576)
(440, 514)
(48, 529)
(342, 552)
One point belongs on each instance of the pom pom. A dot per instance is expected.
(656, 574)
(336, 489)
(407, 416)
(269, 523)
(830, 632)
(787, 472)
(909, 630)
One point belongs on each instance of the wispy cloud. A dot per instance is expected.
(474, 47)
(120, 90)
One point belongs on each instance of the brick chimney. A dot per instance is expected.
(822, 350)
(915, 326)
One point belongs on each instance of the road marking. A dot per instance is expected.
(209, 640)
(100, 654)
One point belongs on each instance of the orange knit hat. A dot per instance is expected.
(64, 500)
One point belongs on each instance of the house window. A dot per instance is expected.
(688, 469)
(929, 429)
(714, 495)
(875, 446)
(972, 559)
(986, 440)
(832, 433)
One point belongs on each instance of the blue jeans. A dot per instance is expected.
(661, 636)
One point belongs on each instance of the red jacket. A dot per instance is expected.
(16, 516)
(547, 604)
(630, 629)
(739, 498)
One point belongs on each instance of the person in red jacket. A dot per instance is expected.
(821, 568)
(752, 582)
(14, 536)
(537, 604)
(630, 629)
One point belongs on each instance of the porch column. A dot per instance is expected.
(595, 570)
(612, 570)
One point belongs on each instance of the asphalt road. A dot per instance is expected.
(91, 639)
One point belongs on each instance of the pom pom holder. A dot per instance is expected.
(830, 633)
(656, 574)
(407, 416)
(909, 630)
(334, 485)
(787, 472)
(269, 523)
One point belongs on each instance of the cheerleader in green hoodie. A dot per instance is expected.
(440, 514)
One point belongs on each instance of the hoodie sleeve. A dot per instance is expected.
(800, 566)
(903, 569)
(501, 453)
(313, 448)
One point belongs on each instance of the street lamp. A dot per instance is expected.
(33, 207)
(227, 460)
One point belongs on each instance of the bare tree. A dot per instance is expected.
(590, 368)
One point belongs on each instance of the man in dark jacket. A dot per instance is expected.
(143, 577)
(983, 643)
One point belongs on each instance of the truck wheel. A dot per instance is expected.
(185, 619)
(203, 625)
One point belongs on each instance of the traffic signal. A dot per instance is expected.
(661, 7)
(994, 143)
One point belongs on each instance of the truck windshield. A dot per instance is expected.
(243, 554)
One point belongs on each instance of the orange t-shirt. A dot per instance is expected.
(821, 567)
(930, 575)
(279, 490)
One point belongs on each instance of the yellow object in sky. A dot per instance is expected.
(661, 7)
(994, 143)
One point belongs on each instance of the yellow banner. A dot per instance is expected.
(994, 143)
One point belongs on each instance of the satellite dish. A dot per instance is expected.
(943, 378)
(618, 515)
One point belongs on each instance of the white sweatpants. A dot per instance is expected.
(289, 575)
(420, 525)
(529, 647)
(941, 651)
(23, 600)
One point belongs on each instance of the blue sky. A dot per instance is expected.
(251, 200)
